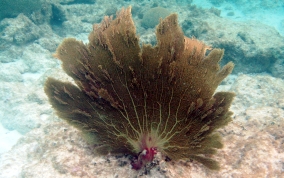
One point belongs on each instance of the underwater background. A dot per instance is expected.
(34, 142)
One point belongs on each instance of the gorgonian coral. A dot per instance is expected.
(143, 100)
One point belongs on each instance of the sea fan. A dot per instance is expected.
(143, 100)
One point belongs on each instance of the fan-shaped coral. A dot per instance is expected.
(143, 100)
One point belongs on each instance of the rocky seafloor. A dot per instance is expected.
(253, 141)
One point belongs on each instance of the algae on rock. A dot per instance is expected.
(143, 100)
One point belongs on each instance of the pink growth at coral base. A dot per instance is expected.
(146, 156)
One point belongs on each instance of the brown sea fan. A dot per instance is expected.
(141, 101)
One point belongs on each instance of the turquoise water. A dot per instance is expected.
(251, 32)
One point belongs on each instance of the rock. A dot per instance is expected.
(19, 30)
(13, 8)
(152, 16)
(23, 104)
(277, 69)
(257, 90)
(252, 46)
